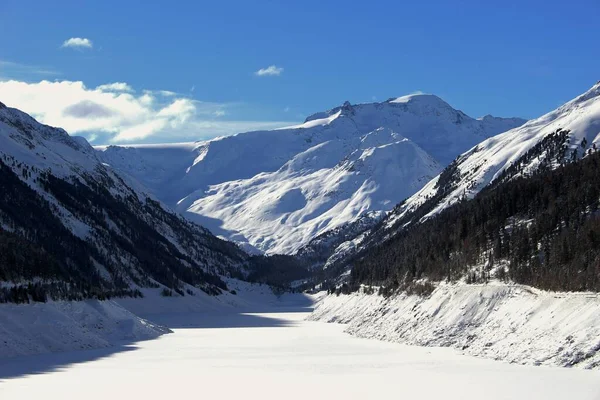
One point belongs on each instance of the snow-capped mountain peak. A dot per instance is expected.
(421, 100)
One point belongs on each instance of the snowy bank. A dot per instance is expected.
(513, 323)
(36, 328)
(248, 297)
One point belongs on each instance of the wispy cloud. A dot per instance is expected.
(271, 70)
(164, 93)
(9, 69)
(116, 87)
(78, 43)
(115, 113)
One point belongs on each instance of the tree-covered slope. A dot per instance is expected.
(541, 229)
(72, 228)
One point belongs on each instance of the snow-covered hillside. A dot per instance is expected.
(276, 190)
(570, 131)
(484, 163)
(72, 228)
(513, 323)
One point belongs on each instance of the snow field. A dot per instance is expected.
(274, 355)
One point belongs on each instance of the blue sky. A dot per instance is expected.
(510, 59)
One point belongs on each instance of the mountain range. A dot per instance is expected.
(274, 191)
(79, 222)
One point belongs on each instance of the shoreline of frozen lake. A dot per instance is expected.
(274, 354)
(508, 322)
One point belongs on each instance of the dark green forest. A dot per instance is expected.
(36, 247)
(541, 230)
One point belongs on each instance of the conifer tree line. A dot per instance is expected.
(540, 229)
(41, 259)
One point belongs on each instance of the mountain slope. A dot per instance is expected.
(308, 194)
(274, 191)
(520, 150)
(520, 205)
(544, 143)
(71, 228)
(541, 230)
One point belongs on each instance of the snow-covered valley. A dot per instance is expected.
(274, 353)
(286, 200)
(328, 173)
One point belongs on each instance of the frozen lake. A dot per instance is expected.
(277, 355)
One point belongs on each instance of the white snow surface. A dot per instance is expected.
(513, 323)
(483, 163)
(273, 191)
(27, 329)
(59, 326)
(274, 354)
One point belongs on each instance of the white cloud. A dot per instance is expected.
(116, 87)
(164, 93)
(78, 43)
(271, 70)
(114, 113)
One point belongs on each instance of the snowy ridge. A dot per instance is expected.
(310, 195)
(273, 191)
(513, 323)
(44, 147)
(485, 162)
